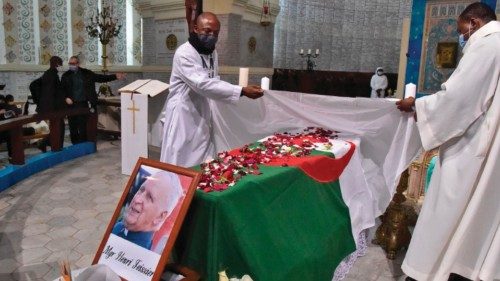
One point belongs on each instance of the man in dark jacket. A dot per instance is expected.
(51, 96)
(79, 89)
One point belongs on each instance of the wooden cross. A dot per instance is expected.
(133, 109)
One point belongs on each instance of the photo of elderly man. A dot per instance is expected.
(149, 208)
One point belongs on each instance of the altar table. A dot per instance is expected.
(280, 225)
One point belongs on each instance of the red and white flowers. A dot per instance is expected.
(224, 171)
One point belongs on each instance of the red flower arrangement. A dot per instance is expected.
(223, 172)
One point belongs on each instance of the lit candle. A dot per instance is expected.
(301, 51)
(309, 51)
(243, 82)
(264, 83)
(410, 90)
(317, 51)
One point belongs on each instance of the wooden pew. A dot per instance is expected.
(15, 125)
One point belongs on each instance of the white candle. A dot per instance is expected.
(301, 51)
(243, 77)
(264, 83)
(309, 51)
(317, 51)
(410, 90)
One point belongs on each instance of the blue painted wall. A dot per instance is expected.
(491, 3)
(415, 42)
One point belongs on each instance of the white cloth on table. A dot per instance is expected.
(187, 132)
(388, 140)
(458, 227)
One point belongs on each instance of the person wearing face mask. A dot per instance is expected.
(51, 96)
(458, 229)
(79, 89)
(378, 84)
(187, 132)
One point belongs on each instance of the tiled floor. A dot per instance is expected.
(62, 213)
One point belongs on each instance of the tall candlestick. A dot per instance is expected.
(264, 83)
(243, 81)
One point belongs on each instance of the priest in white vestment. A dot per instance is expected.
(187, 132)
(458, 227)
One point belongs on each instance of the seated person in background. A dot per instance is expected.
(11, 109)
(2, 102)
(7, 110)
(378, 84)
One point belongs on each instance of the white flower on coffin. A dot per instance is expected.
(223, 277)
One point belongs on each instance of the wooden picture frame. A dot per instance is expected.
(447, 54)
(142, 232)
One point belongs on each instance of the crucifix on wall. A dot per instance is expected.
(133, 109)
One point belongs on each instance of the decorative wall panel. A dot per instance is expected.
(53, 17)
(440, 26)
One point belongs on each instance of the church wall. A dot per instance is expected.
(262, 55)
(149, 46)
(433, 21)
(17, 82)
(234, 38)
(232, 47)
(440, 27)
(351, 35)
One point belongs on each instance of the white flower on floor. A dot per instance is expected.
(223, 277)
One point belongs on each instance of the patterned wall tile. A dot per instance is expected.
(90, 50)
(118, 46)
(440, 27)
(26, 32)
(53, 29)
(18, 31)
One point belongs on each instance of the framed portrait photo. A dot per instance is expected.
(446, 54)
(147, 220)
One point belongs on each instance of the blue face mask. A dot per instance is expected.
(462, 41)
(461, 38)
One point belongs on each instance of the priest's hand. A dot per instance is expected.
(252, 92)
(69, 101)
(406, 105)
(120, 75)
